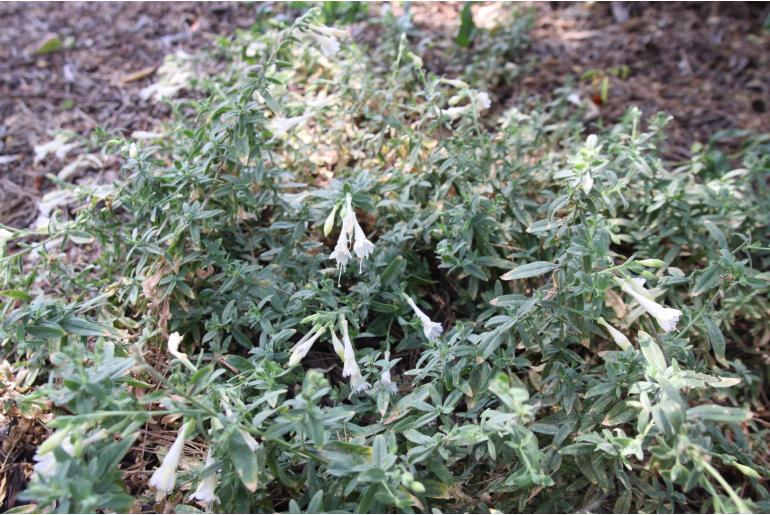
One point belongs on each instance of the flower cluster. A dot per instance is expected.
(346, 352)
(327, 39)
(351, 233)
(344, 349)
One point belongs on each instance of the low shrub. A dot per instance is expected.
(342, 283)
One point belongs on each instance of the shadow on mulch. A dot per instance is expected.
(706, 64)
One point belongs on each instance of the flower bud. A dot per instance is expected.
(5, 236)
(416, 59)
(652, 263)
(417, 487)
(329, 225)
(455, 83)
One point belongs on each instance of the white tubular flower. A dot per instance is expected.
(431, 329)
(174, 339)
(455, 112)
(349, 221)
(5, 236)
(164, 477)
(385, 380)
(327, 39)
(303, 346)
(362, 246)
(328, 44)
(207, 486)
(348, 353)
(619, 338)
(281, 126)
(341, 254)
(358, 384)
(483, 102)
(45, 462)
(479, 101)
(350, 365)
(666, 317)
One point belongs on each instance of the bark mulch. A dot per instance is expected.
(109, 52)
(706, 64)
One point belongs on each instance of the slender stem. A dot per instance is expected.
(739, 504)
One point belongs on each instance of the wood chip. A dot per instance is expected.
(139, 75)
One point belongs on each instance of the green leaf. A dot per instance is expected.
(716, 338)
(81, 327)
(716, 233)
(25, 508)
(396, 265)
(316, 503)
(49, 45)
(367, 500)
(244, 461)
(467, 27)
(470, 434)
(651, 352)
(81, 237)
(417, 437)
(717, 413)
(46, 330)
(15, 294)
(707, 279)
(529, 270)
(619, 414)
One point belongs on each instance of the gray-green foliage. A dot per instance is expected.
(515, 235)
